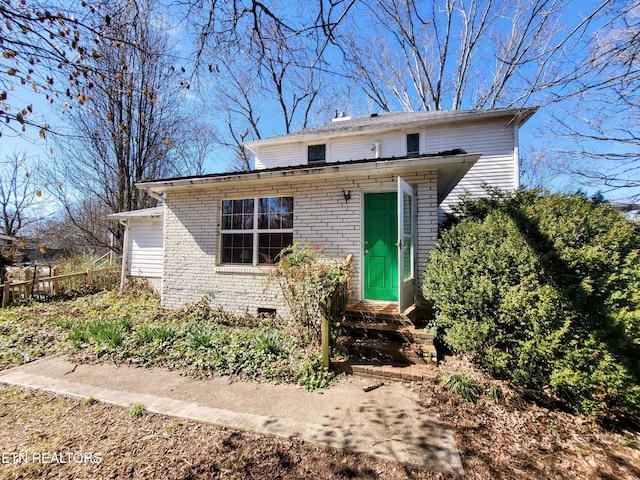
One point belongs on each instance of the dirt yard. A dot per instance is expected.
(48, 436)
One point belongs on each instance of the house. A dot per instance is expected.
(631, 210)
(7, 239)
(371, 186)
(142, 252)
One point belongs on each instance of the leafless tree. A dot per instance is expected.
(46, 47)
(18, 194)
(602, 135)
(471, 54)
(129, 127)
(267, 61)
(194, 147)
(271, 84)
(229, 22)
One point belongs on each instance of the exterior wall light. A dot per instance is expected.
(347, 195)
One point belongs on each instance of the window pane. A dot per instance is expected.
(263, 210)
(237, 214)
(287, 220)
(286, 204)
(407, 236)
(271, 244)
(275, 213)
(237, 248)
(248, 206)
(226, 214)
(413, 143)
(316, 153)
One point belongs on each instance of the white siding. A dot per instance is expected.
(363, 146)
(341, 149)
(281, 156)
(496, 167)
(145, 247)
(496, 141)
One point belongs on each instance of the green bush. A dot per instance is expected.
(543, 290)
(313, 375)
(307, 278)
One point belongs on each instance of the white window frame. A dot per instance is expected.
(406, 143)
(255, 231)
(326, 154)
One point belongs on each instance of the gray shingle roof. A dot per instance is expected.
(392, 120)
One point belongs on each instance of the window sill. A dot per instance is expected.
(244, 269)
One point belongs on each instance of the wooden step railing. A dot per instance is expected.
(333, 308)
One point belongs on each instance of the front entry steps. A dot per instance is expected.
(379, 342)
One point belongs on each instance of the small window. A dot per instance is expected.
(316, 153)
(413, 144)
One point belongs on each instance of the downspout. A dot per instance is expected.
(125, 253)
(153, 194)
(516, 153)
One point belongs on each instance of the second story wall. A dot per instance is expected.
(498, 165)
(494, 138)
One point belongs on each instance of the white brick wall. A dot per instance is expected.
(321, 216)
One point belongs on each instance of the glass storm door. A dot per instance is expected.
(406, 245)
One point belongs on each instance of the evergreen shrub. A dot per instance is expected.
(543, 290)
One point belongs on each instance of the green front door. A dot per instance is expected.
(380, 250)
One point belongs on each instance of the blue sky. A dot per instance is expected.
(531, 138)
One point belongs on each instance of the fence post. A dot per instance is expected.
(325, 332)
(89, 277)
(55, 286)
(28, 288)
(5, 292)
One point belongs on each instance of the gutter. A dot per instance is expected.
(337, 168)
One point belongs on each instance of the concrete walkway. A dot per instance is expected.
(385, 422)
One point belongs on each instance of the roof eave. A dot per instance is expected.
(451, 169)
(155, 212)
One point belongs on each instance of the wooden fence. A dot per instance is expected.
(43, 288)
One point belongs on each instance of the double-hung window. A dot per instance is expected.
(255, 230)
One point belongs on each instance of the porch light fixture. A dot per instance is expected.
(347, 195)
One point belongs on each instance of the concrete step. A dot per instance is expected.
(383, 350)
(405, 333)
(396, 371)
(381, 342)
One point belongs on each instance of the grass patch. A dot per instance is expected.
(462, 385)
(136, 410)
(134, 329)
